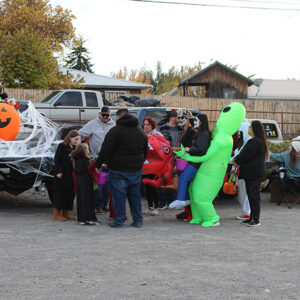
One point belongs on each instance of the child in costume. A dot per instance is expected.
(84, 186)
(63, 180)
(199, 147)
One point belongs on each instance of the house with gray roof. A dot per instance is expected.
(106, 84)
(273, 89)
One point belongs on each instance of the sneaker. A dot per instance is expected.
(153, 212)
(136, 225)
(246, 221)
(93, 222)
(112, 224)
(216, 224)
(244, 217)
(253, 223)
(82, 223)
(147, 211)
(164, 207)
(187, 219)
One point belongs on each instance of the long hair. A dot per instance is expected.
(293, 157)
(204, 125)
(71, 134)
(79, 150)
(259, 131)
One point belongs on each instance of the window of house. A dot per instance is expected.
(229, 93)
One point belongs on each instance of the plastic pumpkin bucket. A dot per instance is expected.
(181, 164)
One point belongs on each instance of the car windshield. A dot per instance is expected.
(51, 98)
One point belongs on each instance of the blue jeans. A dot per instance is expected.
(183, 183)
(101, 196)
(122, 185)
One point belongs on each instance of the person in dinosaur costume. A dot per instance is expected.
(209, 178)
(159, 162)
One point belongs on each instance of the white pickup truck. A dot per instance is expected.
(71, 106)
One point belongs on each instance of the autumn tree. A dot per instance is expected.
(162, 82)
(31, 31)
(79, 59)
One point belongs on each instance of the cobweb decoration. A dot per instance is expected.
(34, 147)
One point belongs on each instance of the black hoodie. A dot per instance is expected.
(125, 146)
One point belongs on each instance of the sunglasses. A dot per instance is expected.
(181, 118)
(105, 115)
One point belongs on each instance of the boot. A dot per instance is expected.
(57, 216)
(66, 214)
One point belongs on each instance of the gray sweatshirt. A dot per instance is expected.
(95, 131)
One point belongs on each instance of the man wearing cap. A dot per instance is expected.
(95, 131)
(171, 130)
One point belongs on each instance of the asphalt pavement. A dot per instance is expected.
(166, 259)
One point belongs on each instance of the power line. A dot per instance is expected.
(268, 2)
(218, 5)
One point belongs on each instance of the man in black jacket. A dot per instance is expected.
(124, 151)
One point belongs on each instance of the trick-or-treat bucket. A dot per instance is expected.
(181, 164)
(103, 178)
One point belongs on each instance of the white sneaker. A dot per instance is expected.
(164, 207)
(153, 212)
(82, 223)
(216, 224)
(92, 223)
(179, 204)
(147, 211)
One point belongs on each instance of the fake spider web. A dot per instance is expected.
(33, 150)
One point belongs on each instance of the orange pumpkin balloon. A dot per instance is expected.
(10, 122)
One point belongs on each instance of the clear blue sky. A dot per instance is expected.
(124, 33)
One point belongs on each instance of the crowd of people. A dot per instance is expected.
(120, 148)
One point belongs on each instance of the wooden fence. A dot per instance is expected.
(285, 112)
(27, 94)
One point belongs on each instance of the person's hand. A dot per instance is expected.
(59, 175)
(234, 163)
(187, 149)
(104, 166)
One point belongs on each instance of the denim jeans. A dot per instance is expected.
(122, 185)
(184, 180)
(101, 196)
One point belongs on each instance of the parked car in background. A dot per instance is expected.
(71, 106)
(272, 130)
(160, 114)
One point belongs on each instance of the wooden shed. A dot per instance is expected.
(218, 81)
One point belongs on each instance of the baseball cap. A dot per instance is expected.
(173, 113)
(296, 146)
(104, 110)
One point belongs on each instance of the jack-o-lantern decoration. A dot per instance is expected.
(10, 122)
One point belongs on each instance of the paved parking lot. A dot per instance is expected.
(166, 259)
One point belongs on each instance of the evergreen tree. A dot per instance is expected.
(78, 59)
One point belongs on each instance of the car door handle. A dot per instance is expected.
(82, 110)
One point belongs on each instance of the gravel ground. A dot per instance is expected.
(166, 259)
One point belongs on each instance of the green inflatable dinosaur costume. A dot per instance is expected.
(209, 177)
